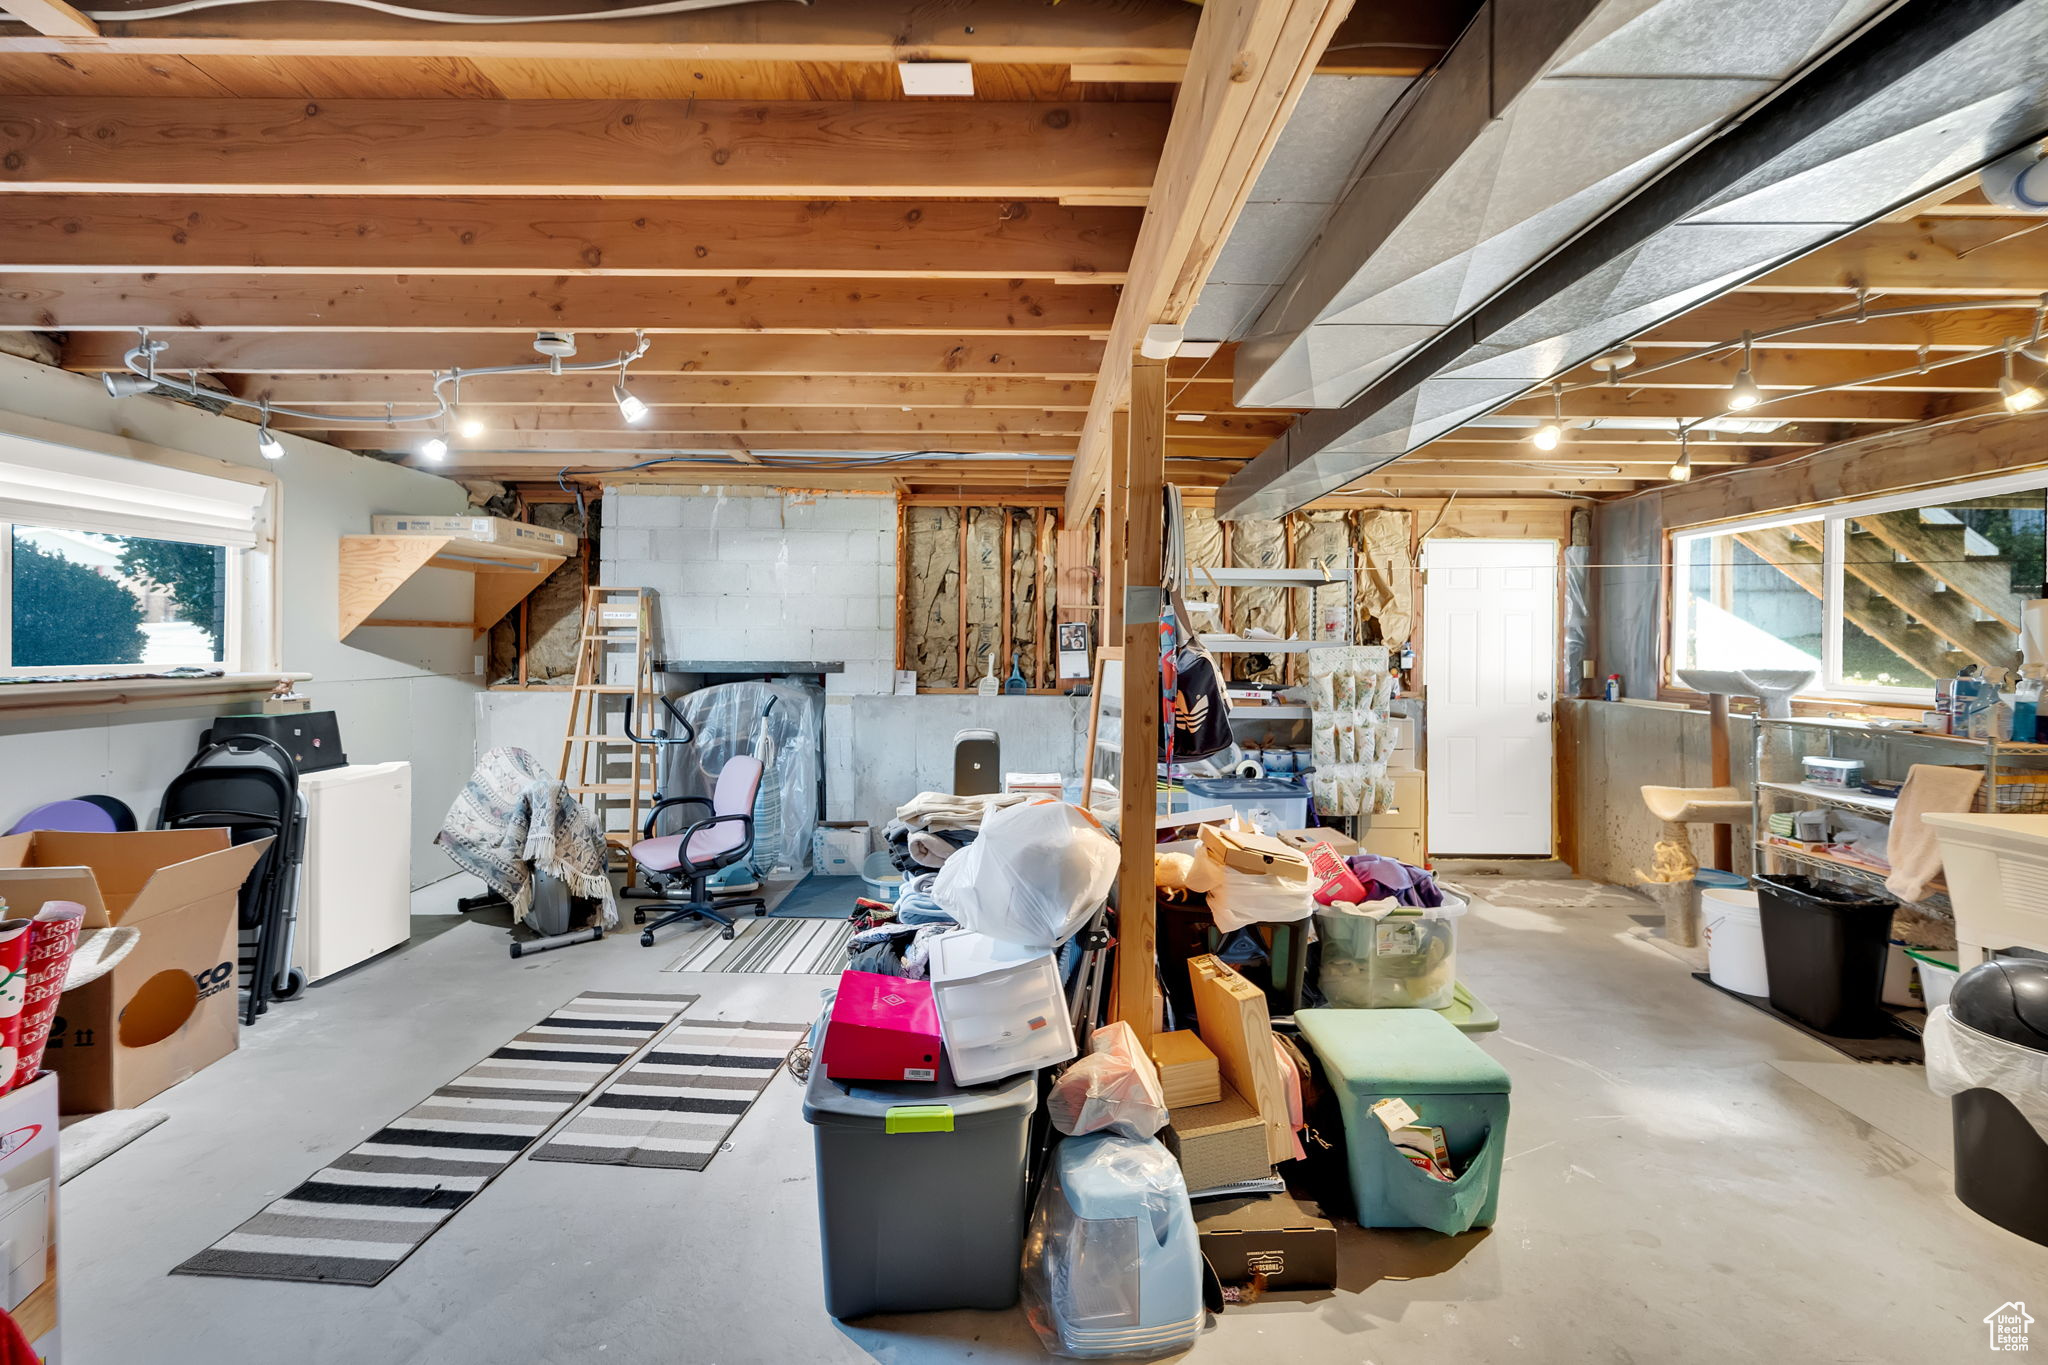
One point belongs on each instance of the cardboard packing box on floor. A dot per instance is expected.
(28, 1211)
(1288, 1242)
(168, 1008)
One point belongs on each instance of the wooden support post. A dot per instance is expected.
(1145, 460)
(1115, 519)
(1722, 774)
(960, 593)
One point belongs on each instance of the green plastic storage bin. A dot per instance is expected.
(1421, 1057)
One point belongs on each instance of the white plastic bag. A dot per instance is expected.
(1115, 1087)
(1033, 877)
(1960, 1058)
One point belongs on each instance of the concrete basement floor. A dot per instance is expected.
(1688, 1180)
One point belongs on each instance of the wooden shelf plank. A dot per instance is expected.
(374, 568)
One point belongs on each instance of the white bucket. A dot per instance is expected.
(1734, 934)
(1937, 979)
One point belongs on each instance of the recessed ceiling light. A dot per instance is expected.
(937, 78)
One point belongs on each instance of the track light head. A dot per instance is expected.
(2019, 397)
(1547, 436)
(630, 406)
(1681, 468)
(267, 445)
(1745, 393)
(434, 448)
(469, 426)
(123, 384)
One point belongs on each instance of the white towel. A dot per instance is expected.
(1915, 854)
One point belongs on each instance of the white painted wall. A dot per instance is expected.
(398, 694)
(749, 574)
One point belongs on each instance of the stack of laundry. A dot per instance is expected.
(933, 826)
(896, 941)
(1392, 879)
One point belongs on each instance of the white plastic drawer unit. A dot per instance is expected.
(25, 1236)
(1001, 1008)
(1997, 872)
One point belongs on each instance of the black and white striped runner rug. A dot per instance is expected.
(675, 1106)
(805, 947)
(355, 1220)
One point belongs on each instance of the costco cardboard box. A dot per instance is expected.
(28, 1211)
(168, 1008)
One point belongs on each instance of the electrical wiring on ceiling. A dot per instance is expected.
(431, 16)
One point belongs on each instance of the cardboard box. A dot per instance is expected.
(1288, 1242)
(1220, 1144)
(168, 1008)
(28, 1211)
(1187, 1069)
(489, 530)
(1337, 839)
(839, 847)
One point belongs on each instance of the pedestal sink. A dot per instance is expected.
(1774, 688)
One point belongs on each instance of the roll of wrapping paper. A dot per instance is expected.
(14, 944)
(52, 938)
(2034, 631)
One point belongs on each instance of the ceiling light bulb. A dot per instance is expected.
(1547, 436)
(1681, 468)
(268, 446)
(470, 427)
(434, 448)
(630, 407)
(2019, 397)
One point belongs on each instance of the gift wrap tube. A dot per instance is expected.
(52, 938)
(14, 944)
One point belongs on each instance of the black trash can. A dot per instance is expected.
(2001, 1159)
(1825, 945)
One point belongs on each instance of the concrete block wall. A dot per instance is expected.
(748, 574)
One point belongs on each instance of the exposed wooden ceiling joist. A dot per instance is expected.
(1820, 407)
(824, 390)
(53, 18)
(941, 239)
(1249, 63)
(568, 423)
(1097, 153)
(480, 303)
(1967, 256)
(1726, 318)
(1775, 369)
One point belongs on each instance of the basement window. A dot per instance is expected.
(120, 567)
(1877, 597)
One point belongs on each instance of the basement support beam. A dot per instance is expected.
(52, 18)
(1250, 62)
(1137, 936)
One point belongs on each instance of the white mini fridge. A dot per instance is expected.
(356, 898)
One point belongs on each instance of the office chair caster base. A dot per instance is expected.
(647, 939)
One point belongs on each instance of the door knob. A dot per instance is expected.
(1543, 696)
(1542, 717)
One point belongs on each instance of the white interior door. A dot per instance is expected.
(1490, 667)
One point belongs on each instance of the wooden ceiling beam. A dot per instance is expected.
(1662, 403)
(1248, 65)
(52, 18)
(372, 392)
(1806, 369)
(1726, 318)
(628, 444)
(1093, 152)
(480, 303)
(875, 239)
(381, 353)
(662, 420)
(1138, 35)
(1657, 457)
(1987, 257)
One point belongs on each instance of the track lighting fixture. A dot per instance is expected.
(468, 425)
(124, 385)
(2017, 396)
(630, 407)
(1745, 393)
(1614, 359)
(1681, 468)
(434, 448)
(267, 445)
(1547, 436)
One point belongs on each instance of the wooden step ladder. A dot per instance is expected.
(618, 779)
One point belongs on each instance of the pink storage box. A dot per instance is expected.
(883, 1028)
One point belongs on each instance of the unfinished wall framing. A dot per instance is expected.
(977, 582)
(535, 644)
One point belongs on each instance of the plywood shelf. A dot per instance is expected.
(374, 568)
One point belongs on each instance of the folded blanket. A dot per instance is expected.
(1914, 852)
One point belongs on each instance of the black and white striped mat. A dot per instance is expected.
(808, 947)
(355, 1220)
(675, 1106)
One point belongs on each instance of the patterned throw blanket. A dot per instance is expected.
(512, 818)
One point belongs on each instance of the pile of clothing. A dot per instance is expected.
(932, 826)
(897, 941)
(1392, 879)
